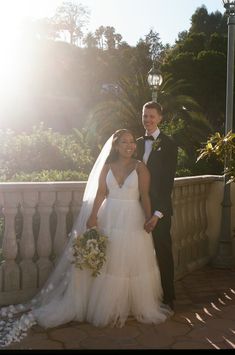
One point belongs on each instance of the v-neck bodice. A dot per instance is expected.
(129, 189)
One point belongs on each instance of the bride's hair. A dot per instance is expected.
(113, 155)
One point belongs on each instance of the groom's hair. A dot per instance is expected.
(113, 155)
(155, 105)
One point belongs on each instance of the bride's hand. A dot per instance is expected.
(147, 227)
(91, 222)
(151, 224)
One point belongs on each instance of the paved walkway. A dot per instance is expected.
(204, 319)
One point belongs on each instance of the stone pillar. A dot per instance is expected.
(44, 242)
(77, 202)
(184, 228)
(27, 242)
(197, 219)
(176, 231)
(203, 235)
(1, 240)
(10, 268)
(63, 200)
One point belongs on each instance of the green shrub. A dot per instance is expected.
(49, 175)
(34, 154)
(221, 148)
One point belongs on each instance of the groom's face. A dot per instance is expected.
(151, 119)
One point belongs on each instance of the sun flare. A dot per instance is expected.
(12, 16)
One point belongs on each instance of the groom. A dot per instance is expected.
(159, 153)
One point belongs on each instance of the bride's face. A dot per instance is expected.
(126, 145)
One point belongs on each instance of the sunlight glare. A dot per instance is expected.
(12, 15)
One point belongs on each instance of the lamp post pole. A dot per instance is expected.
(224, 256)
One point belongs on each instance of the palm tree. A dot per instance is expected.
(183, 117)
(99, 34)
(118, 39)
(110, 37)
(90, 40)
(123, 107)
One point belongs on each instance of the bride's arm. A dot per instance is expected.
(100, 196)
(144, 183)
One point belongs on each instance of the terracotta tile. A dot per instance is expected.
(99, 343)
(155, 339)
(221, 324)
(206, 333)
(67, 335)
(204, 319)
(122, 333)
(173, 327)
(187, 344)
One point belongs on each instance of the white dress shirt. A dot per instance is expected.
(147, 151)
(148, 145)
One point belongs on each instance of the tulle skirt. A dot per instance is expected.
(129, 283)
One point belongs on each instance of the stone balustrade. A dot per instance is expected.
(37, 218)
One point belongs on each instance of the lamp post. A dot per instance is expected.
(224, 256)
(154, 81)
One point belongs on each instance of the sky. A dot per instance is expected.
(133, 19)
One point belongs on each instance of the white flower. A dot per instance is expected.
(89, 250)
(21, 307)
(3, 311)
(12, 309)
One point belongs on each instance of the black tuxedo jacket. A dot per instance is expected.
(162, 166)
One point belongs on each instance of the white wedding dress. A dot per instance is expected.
(129, 283)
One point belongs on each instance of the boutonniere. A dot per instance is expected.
(156, 144)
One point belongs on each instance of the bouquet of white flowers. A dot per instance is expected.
(89, 250)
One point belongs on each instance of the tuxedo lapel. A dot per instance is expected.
(154, 152)
(141, 147)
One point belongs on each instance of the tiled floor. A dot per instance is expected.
(204, 319)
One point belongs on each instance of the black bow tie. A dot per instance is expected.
(148, 138)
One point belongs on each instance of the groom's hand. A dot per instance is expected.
(151, 223)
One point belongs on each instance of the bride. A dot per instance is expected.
(116, 200)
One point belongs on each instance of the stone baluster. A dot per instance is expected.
(76, 202)
(63, 200)
(188, 226)
(176, 231)
(44, 242)
(10, 269)
(1, 278)
(198, 224)
(27, 242)
(187, 223)
(185, 232)
(191, 222)
(1, 270)
(203, 236)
